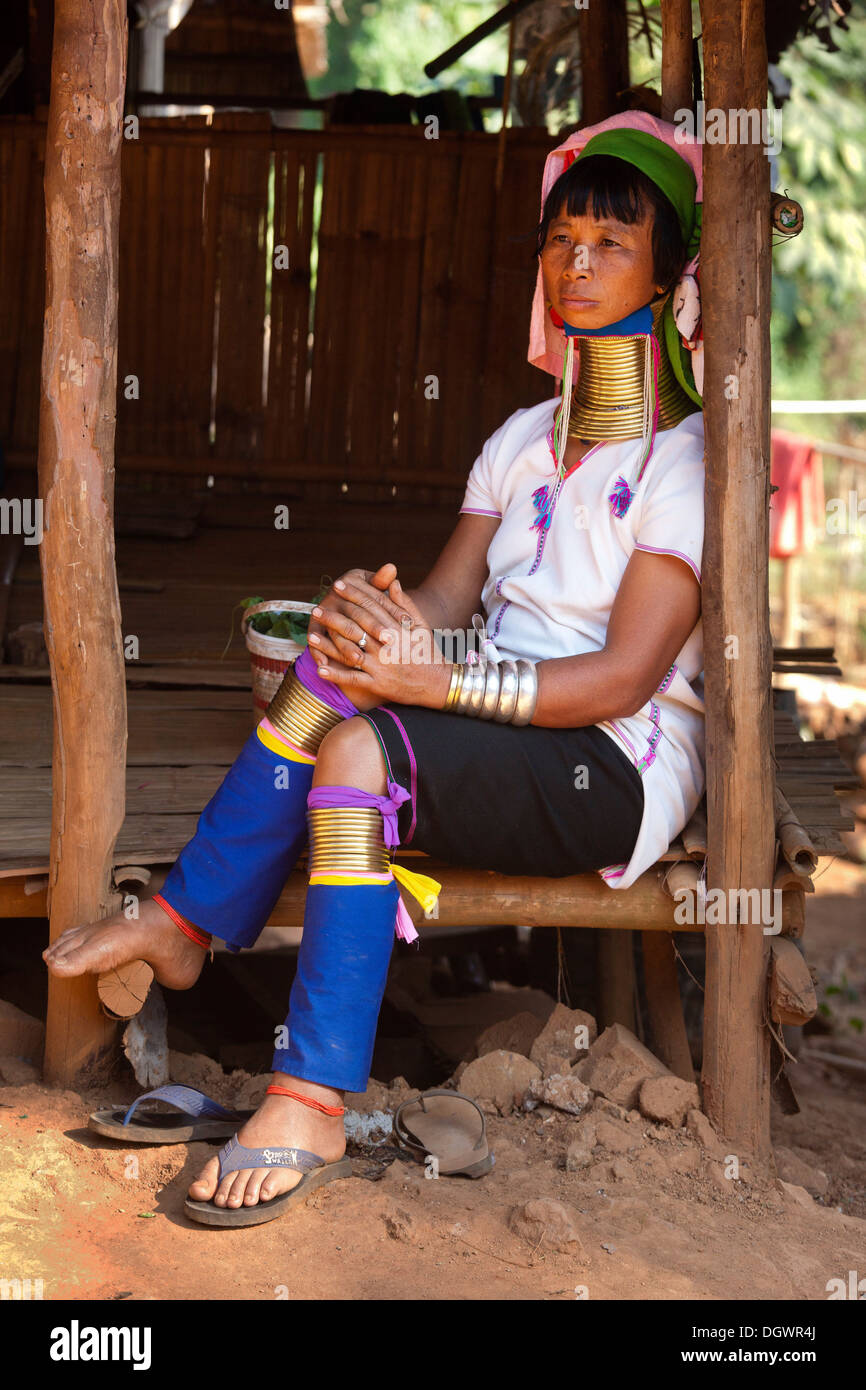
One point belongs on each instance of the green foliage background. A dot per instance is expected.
(387, 42)
(819, 281)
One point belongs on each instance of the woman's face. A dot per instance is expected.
(596, 271)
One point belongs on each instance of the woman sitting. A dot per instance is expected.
(574, 745)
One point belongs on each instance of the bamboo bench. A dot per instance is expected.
(809, 817)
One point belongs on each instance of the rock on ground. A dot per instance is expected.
(20, 1035)
(499, 1078)
(563, 1092)
(376, 1097)
(14, 1072)
(515, 1034)
(607, 1107)
(699, 1127)
(548, 1225)
(617, 1138)
(617, 1064)
(668, 1099)
(796, 1196)
(792, 1169)
(566, 1036)
(579, 1155)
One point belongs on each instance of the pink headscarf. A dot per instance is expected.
(546, 341)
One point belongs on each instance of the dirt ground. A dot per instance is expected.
(95, 1220)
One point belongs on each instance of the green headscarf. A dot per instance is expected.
(675, 177)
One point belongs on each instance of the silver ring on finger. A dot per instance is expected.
(363, 642)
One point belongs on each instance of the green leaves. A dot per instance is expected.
(293, 626)
(280, 623)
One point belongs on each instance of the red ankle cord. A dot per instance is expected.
(306, 1100)
(201, 938)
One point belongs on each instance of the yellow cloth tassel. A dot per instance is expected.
(425, 890)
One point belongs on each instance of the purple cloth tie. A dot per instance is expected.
(307, 673)
(353, 796)
(337, 797)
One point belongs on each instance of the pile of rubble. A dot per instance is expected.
(612, 1083)
(607, 1108)
(627, 1115)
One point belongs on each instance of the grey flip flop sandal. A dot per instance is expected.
(449, 1127)
(201, 1118)
(234, 1156)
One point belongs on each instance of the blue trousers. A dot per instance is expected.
(336, 996)
(228, 878)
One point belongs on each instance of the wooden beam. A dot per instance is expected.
(477, 897)
(676, 57)
(76, 482)
(507, 14)
(735, 285)
(470, 898)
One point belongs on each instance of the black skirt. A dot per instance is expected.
(526, 800)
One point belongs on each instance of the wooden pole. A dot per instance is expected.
(676, 57)
(76, 483)
(664, 1003)
(616, 978)
(604, 70)
(506, 104)
(735, 284)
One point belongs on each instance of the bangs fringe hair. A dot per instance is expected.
(620, 190)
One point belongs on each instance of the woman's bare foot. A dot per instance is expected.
(176, 960)
(278, 1123)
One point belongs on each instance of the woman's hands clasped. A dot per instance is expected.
(371, 640)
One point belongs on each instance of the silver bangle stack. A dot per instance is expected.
(504, 691)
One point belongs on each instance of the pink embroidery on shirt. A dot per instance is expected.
(667, 680)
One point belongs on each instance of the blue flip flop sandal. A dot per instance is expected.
(201, 1118)
(233, 1157)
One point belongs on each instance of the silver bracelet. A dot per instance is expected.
(508, 686)
(505, 691)
(527, 694)
(491, 691)
(479, 681)
(471, 691)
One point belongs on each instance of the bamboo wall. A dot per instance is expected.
(423, 270)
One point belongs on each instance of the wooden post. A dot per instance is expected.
(506, 104)
(664, 1003)
(616, 978)
(676, 57)
(735, 283)
(604, 72)
(76, 483)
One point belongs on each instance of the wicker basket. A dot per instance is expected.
(270, 656)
